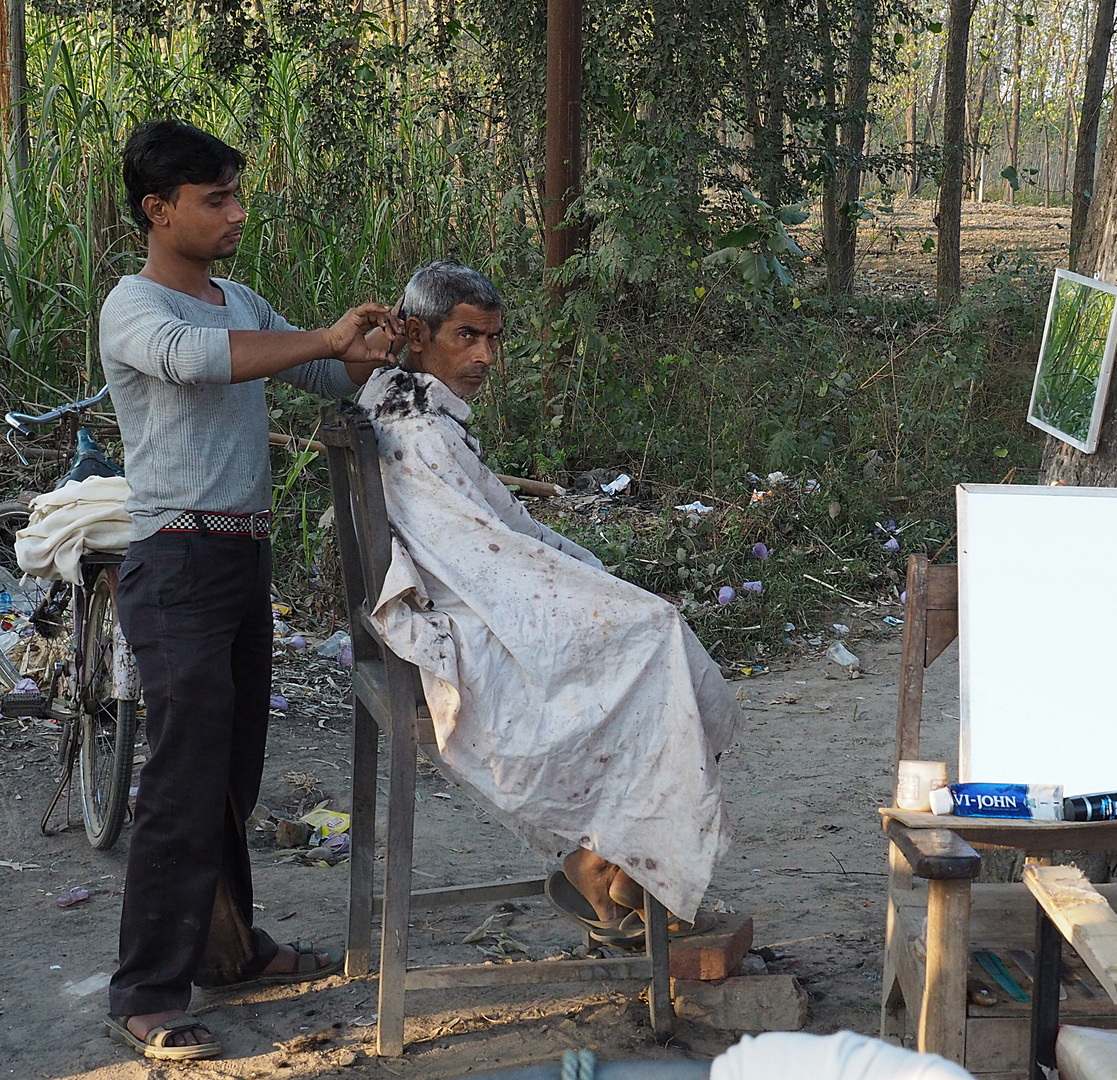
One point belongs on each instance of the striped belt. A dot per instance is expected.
(257, 526)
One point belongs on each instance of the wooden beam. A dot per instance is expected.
(935, 854)
(529, 973)
(1082, 915)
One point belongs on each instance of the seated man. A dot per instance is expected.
(581, 709)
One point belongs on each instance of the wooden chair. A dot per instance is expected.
(388, 697)
(932, 867)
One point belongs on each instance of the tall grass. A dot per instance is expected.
(331, 223)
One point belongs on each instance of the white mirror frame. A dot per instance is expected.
(1091, 442)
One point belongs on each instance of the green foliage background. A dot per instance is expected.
(698, 355)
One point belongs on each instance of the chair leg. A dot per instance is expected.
(657, 945)
(397, 890)
(942, 1022)
(362, 832)
(893, 1008)
(1045, 996)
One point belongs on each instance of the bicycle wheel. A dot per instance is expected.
(13, 517)
(108, 726)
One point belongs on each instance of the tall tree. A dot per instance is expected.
(1088, 125)
(1013, 135)
(843, 193)
(949, 217)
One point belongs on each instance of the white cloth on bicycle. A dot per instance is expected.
(79, 517)
(580, 707)
(795, 1055)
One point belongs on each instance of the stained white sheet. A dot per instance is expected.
(795, 1055)
(579, 706)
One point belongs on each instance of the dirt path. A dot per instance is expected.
(808, 863)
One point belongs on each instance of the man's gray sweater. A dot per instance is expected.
(192, 439)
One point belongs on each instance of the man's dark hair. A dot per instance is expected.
(162, 155)
(437, 288)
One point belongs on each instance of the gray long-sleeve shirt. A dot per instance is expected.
(192, 439)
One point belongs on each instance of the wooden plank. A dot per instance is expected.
(483, 893)
(529, 972)
(935, 853)
(358, 937)
(910, 710)
(942, 587)
(1082, 915)
(362, 841)
(656, 947)
(942, 629)
(911, 969)
(1017, 834)
(942, 1020)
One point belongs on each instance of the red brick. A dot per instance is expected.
(715, 954)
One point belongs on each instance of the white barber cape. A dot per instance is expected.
(795, 1055)
(581, 708)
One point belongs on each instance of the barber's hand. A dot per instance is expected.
(364, 335)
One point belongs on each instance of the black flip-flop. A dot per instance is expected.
(573, 906)
(629, 934)
(306, 969)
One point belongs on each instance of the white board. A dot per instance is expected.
(1037, 632)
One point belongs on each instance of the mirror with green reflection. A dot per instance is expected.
(1075, 359)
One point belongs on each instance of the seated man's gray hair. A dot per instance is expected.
(437, 288)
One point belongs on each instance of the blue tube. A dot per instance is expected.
(1040, 802)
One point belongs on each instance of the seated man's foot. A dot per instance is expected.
(603, 884)
(286, 961)
(172, 1035)
(626, 892)
(143, 1023)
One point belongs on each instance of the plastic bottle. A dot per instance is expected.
(1099, 807)
(1040, 802)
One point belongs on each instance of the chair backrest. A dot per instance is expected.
(365, 543)
(930, 625)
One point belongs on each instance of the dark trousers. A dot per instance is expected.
(196, 609)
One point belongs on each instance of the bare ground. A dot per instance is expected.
(808, 863)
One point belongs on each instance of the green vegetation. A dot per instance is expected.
(698, 355)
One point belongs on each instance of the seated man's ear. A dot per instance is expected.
(418, 334)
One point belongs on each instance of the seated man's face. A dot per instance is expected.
(461, 352)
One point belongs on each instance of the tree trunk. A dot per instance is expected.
(851, 146)
(13, 85)
(830, 141)
(1014, 114)
(911, 120)
(1088, 125)
(949, 216)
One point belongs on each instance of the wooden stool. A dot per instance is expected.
(387, 696)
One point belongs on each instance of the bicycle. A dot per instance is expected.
(95, 695)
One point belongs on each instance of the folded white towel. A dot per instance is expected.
(82, 516)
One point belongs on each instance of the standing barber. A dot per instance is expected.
(185, 356)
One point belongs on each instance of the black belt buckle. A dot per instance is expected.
(259, 524)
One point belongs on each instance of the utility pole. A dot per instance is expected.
(563, 173)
